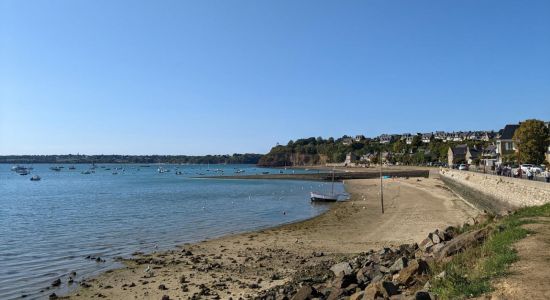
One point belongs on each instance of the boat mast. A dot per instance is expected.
(332, 193)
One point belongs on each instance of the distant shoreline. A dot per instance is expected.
(245, 158)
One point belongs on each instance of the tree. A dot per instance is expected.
(531, 139)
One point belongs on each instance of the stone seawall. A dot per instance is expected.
(496, 194)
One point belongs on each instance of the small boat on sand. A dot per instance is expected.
(318, 197)
(321, 197)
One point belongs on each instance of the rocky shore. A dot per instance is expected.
(327, 255)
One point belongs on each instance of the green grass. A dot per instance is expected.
(469, 273)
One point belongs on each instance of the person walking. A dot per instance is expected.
(547, 175)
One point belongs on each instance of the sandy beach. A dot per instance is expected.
(244, 264)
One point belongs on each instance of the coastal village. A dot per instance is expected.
(484, 150)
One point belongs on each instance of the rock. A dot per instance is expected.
(437, 247)
(343, 280)
(357, 296)
(398, 265)
(435, 237)
(384, 269)
(449, 233)
(426, 244)
(336, 294)
(341, 267)
(407, 276)
(162, 287)
(56, 282)
(383, 289)
(463, 241)
(318, 254)
(165, 297)
(52, 296)
(423, 295)
(304, 293)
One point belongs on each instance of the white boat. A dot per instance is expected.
(35, 178)
(318, 197)
(18, 168)
(23, 172)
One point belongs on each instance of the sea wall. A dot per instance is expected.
(496, 194)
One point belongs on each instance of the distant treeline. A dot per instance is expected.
(247, 158)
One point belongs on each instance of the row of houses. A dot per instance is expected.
(503, 148)
(426, 138)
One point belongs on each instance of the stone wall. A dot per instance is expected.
(496, 194)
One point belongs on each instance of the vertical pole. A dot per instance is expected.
(381, 188)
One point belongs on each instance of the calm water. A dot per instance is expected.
(47, 228)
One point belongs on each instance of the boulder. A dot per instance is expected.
(343, 280)
(463, 241)
(304, 293)
(336, 294)
(343, 267)
(398, 265)
(423, 295)
(357, 296)
(435, 237)
(426, 244)
(380, 289)
(449, 233)
(407, 276)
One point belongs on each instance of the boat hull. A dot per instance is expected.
(315, 197)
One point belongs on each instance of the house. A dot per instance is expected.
(347, 141)
(489, 156)
(472, 155)
(440, 135)
(487, 136)
(505, 144)
(457, 154)
(385, 139)
(404, 136)
(359, 137)
(409, 140)
(427, 137)
(350, 159)
(474, 135)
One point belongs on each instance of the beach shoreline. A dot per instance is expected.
(243, 264)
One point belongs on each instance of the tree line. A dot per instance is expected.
(247, 158)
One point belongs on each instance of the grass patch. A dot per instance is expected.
(469, 273)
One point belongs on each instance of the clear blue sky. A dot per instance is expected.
(198, 77)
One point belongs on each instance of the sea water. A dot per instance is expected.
(49, 227)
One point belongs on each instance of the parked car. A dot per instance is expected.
(463, 167)
(531, 168)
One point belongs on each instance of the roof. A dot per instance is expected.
(508, 132)
(460, 149)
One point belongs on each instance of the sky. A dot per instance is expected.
(217, 77)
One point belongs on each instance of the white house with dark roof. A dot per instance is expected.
(505, 143)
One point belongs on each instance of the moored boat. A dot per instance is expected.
(318, 197)
(35, 178)
(23, 172)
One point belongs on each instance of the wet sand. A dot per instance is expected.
(242, 265)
